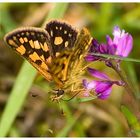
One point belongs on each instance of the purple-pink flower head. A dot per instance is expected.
(121, 45)
(101, 88)
(123, 42)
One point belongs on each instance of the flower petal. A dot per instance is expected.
(125, 45)
(103, 49)
(90, 57)
(89, 85)
(103, 89)
(85, 83)
(101, 86)
(95, 44)
(116, 34)
(123, 41)
(105, 94)
(109, 40)
(97, 74)
(86, 94)
(112, 49)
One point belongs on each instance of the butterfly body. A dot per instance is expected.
(56, 52)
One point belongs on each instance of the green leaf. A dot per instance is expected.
(86, 99)
(132, 120)
(17, 97)
(23, 83)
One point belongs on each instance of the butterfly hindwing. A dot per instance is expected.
(73, 62)
(62, 36)
(70, 60)
(80, 50)
(33, 44)
(81, 45)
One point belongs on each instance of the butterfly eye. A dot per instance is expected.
(60, 92)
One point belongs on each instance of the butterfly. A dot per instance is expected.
(57, 51)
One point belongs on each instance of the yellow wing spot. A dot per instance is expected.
(70, 35)
(58, 40)
(42, 57)
(49, 59)
(42, 46)
(60, 74)
(32, 33)
(56, 28)
(66, 44)
(25, 39)
(31, 43)
(60, 28)
(27, 33)
(51, 33)
(81, 56)
(65, 32)
(45, 47)
(14, 37)
(36, 44)
(21, 40)
(86, 47)
(42, 36)
(21, 49)
(57, 54)
(12, 43)
(34, 56)
(44, 66)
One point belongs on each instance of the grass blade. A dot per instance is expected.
(132, 120)
(17, 97)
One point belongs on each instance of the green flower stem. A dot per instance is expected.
(134, 101)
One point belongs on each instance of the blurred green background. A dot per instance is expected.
(40, 116)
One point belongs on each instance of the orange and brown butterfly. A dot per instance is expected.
(57, 52)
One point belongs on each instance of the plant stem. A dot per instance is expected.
(128, 87)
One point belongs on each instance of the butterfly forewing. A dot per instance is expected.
(32, 44)
(62, 36)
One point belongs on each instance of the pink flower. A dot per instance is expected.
(123, 42)
(121, 45)
(101, 88)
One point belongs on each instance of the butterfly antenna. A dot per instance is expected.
(86, 66)
(71, 97)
